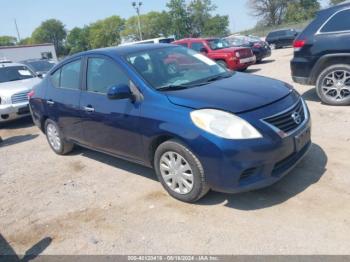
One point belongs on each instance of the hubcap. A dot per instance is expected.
(336, 85)
(53, 137)
(176, 173)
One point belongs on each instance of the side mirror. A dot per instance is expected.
(204, 50)
(118, 92)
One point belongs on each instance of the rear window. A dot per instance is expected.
(339, 22)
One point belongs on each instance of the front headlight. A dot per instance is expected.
(223, 124)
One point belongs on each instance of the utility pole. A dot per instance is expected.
(137, 6)
(18, 35)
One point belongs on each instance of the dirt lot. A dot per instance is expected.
(90, 203)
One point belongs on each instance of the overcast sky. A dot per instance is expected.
(30, 13)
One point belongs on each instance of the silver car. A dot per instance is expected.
(16, 81)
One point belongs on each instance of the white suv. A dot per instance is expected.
(16, 81)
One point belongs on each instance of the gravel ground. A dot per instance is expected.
(90, 203)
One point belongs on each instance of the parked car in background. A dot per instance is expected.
(322, 55)
(159, 40)
(281, 38)
(39, 66)
(16, 81)
(221, 51)
(260, 48)
(200, 127)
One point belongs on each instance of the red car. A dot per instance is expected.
(221, 51)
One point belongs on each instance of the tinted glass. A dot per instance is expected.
(340, 22)
(183, 44)
(70, 75)
(173, 66)
(197, 46)
(167, 40)
(14, 73)
(103, 74)
(41, 66)
(217, 44)
(55, 78)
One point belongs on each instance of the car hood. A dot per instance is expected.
(237, 94)
(11, 88)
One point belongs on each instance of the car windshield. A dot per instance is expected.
(14, 73)
(41, 66)
(173, 68)
(237, 41)
(216, 44)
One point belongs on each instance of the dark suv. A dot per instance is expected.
(322, 55)
(281, 38)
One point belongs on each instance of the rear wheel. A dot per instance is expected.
(222, 63)
(180, 172)
(333, 85)
(56, 140)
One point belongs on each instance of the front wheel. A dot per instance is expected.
(333, 85)
(56, 140)
(180, 172)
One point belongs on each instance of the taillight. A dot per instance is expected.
(31, 94)
(238, 54)
(298, 44)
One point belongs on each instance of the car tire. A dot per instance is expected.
(173, 157)
(222, 63)
(333, 85)
(56, 140)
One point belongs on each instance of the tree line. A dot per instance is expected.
(193, 19)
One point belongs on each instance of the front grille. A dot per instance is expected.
(244, 53)
(289, 120)
(19, 98)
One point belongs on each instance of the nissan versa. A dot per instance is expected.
(197, 124)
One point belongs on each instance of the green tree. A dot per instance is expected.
(26, 41)
(302, 10)
(200, 13)
(335, 2)
(180, 20)
(153, 25)
(106, 32)
(271, 12)
(216, 26)
(78, 40)
(51, 31)
(7, 40)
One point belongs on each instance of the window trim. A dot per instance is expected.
(86, 65)
(329, 19)
(60, 69)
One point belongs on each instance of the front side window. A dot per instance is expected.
(197, 46)
(14, 73)
(216, 44)
(102, 74)
(339, 22)
(68, 76)
(164, 68)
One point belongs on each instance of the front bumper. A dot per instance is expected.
(14, 111)
(240, 166)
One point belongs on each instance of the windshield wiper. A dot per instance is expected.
(178, 87)
(218, 77)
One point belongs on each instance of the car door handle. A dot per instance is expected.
(89, 109)
(50, 102)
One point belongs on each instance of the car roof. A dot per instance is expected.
(125, 50)
(2, 65)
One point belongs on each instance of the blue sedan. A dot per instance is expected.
(197, 124)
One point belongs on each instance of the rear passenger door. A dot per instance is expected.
(62, 98)
(111, 126)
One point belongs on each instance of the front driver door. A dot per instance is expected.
(111, 126)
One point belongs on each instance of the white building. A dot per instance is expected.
(25, 52)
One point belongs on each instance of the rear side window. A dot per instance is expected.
(103, 74)
(197, 46)
(182, 44)
(339, 22)
(68, 76)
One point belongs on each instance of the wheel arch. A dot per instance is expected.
(326, 61)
